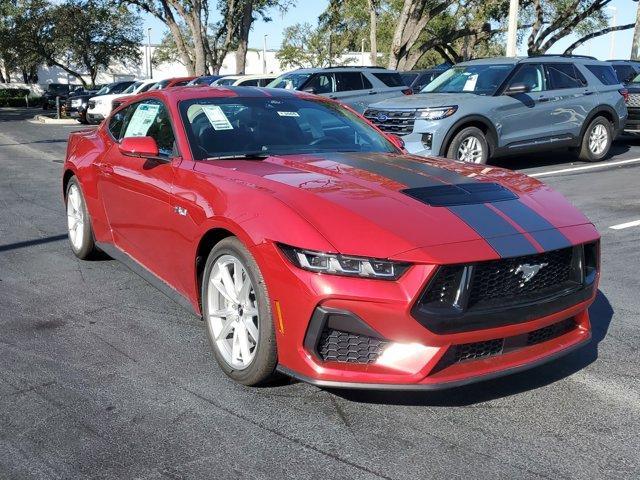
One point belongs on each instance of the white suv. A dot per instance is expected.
(100, 107)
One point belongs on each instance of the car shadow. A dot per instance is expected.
(560, 156)
(600, 313)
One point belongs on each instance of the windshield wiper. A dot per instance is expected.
(242, 156)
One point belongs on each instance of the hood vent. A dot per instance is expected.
(463, 194)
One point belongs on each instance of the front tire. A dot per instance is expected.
(596, 141)
(469, 145)
(78, 222)
(237, 311)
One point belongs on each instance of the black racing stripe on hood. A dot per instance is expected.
(444, 175)
(543, 232)
(366, 162)
(495, 230)
(461, 194)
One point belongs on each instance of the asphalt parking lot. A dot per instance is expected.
(101, 376)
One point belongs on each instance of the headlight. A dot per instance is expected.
(437, 113)
(337, 264)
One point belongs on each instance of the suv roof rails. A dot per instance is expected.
(622, 60)
(561, 55)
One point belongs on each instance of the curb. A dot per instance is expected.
(55, 121)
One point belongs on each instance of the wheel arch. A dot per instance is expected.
(478, 121)
(66, 176)
(605, 111)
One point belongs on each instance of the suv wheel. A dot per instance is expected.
(596, 140)
(469, 145)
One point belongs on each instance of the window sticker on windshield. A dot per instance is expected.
(217, 118)
(141, 120)
(288, 114)
(470, 84)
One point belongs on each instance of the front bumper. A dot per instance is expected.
(632, 124)
(412, 356)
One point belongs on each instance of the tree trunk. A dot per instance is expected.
(243, 36)
(373, 32)
(635, 44)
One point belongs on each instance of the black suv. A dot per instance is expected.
(77, 104)
(418, 79)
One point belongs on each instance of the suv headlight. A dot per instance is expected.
(437, 113)
(336, 264)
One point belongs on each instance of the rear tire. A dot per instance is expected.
(236, 315)
(469, 145)
(596, 140)
(78, 222)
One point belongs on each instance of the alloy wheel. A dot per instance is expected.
(233, 318)
(75, 217)
(470, 150)
(598, 139)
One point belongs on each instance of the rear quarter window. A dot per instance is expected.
(390, 79)
(604, 73)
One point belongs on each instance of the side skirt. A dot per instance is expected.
(140, 270)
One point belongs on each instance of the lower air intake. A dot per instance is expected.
(345, 347)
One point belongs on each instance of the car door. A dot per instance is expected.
(525, 119)
(136, 191)
(572, 99)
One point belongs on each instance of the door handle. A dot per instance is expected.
(372, 92)
(543, 99)
(588, 92)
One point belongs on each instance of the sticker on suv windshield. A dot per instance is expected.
(470, 84)
(217, 118)
(289, 114)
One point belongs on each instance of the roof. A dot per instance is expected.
(345, 68)
(533, 59)
(178, 94)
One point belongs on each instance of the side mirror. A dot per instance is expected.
(143, 147)
(396, 140)
(516, 88)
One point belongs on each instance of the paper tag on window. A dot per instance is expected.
(217, 118)
(288, 114)
(470, 84)
(141, 120)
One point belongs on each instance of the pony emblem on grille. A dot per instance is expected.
(529, 271)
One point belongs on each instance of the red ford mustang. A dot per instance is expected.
(311, 244)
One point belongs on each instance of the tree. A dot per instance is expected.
(553, 20)
(304, 46)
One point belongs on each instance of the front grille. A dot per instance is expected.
(634, 100)
(502, 281)
(489, 294)
(490, 348)
(633, 113)
(346, 347)
(392, 121)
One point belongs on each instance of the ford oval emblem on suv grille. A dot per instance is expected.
(382, 117)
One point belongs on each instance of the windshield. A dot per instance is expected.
(132, 87)
(224, 81)
(478, 79)
(279, 126)
(160, 85)
(290, 81)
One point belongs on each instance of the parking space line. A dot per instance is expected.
(584, 167)
(620, 226)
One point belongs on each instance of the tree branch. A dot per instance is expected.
(599, 33)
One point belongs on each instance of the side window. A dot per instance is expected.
(348, 81)
(605, 74)
(151, 119)
(532, 75)
(249, 83)
(322, 83)
(116, 122)
(564, 75)
(390, 79)
(263, 82)
(625, 73)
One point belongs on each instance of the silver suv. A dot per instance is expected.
(503, 106)
(358, 87)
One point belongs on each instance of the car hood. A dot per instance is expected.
(423, 100)
(382, 205)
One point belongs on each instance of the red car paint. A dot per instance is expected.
(326, 205)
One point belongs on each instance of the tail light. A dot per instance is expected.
(407, 91)
(625, 94)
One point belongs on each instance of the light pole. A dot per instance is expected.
(512, 29)
(264, 53)
(362, 53)
(149, 52)
(613, 34)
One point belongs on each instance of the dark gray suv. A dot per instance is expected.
(503, 106)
